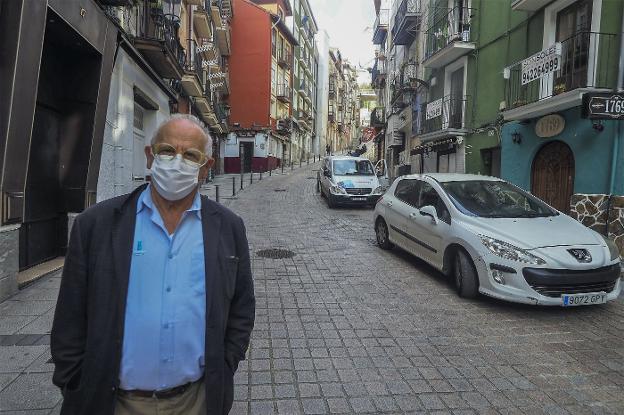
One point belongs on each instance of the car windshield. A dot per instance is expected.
(494, 199)
(353, 167)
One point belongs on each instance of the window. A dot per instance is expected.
(429, 197)
(407, 191)
(273, 40)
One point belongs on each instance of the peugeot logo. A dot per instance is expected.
(581, 255)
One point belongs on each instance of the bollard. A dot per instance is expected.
(282, 166)
(299, 162)
(241, 180)
(233, 186)
(308, 160)
(260, 175)
(251, 178)
(292, 165)
(270, 172)
(217, 193)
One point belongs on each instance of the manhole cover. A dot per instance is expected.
(275, 253)
(279, 190)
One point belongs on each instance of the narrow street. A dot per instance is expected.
(344, 327)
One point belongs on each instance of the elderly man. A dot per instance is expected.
(156, 304)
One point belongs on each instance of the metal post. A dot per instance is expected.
(282, 166)
(241, 180)
(233, 186)
(270, 172)
(251, 177)
(308, 160)
(260, 175)
(299, 162)
(217, 193)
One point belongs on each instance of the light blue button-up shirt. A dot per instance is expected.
(164, 341)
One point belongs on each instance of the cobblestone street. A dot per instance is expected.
(345, 327)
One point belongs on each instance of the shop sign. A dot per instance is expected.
(604, 106)
(550, 126)
(434, 109)
(541, 64)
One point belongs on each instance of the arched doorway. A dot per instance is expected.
(552, 176)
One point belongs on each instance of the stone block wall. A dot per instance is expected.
(9, 260)
(591, 211)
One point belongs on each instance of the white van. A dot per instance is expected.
(345, 180)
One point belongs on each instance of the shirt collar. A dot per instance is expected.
(146, 201)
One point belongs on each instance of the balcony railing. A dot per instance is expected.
(221, 113)
(446, 113)
(156, 27)
(404, 83)
(284, 125)
(447, 26)
(588, 60)
(406, 22)
(283, 93)
(284, 58)
(193, 62)
(378, 117)
(380, 29)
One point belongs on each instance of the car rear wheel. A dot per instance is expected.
(466, 278)
(381, 231)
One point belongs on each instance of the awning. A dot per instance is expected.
(436, 145)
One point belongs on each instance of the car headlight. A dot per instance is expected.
(380, 190)
(339, 190)
(614, 251)
(510, 252)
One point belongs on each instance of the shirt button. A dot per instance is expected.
(170, 256)
(168, 289)
(166, 325)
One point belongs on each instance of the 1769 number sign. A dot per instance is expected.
(605, 106)
(542, 63)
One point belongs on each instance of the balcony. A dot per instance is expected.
(529, 5)
(380, 29)
(221, 111)
(201, 20)
(284, 93)
(222, 30)
(448, 36)
(332, 88)
(284, 125)
(378, 117)
(588, 63)
(157, 40)
(403, 84)
(443, 117)
(284, 58)
(193, 78)
(406, 22)
(331, 113)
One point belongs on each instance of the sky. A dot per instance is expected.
(349, 25)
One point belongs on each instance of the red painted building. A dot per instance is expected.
(260, 86)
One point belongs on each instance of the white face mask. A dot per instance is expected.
(174, 179)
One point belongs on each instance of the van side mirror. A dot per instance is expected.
(326, 173)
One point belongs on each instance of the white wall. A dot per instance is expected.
(322, 95)
(116, 166)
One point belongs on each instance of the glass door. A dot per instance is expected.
(573, 31)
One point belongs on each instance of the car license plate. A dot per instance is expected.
(584, 299)
(358, 199)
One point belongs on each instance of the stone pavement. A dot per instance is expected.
(344, 327)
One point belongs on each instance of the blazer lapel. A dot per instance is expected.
(211, 231)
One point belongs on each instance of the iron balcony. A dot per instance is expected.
(157, 39)
(450, 119)
(406, 22)
(284, 93)
(193, 78)
(380, 29)
(588, 62)
(448, 36)
(284, 58)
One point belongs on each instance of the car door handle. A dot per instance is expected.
(412, 215)
(390, 203)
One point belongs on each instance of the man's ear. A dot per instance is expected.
(149, 155)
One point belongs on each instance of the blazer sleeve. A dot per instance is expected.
(67, 340)
(240, 320)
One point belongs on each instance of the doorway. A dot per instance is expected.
(574, 31)
(246, 154)
(60, 144)
(552, 177)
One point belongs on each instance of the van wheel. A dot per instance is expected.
(466, 278)
(381, 231)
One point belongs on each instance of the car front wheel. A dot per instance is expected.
(381, 231)
(466, 278)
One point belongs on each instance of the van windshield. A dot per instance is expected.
(353, 168)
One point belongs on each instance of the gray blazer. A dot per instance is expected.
(88, 327)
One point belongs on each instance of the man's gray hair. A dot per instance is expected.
(191, 118)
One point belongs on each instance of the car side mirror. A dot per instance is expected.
(379, 174)
(431, 212)
(326, 173)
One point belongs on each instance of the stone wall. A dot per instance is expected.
(591, 211)
(9, 260)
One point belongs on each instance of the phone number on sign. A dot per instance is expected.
(533, 72)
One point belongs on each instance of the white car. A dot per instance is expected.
(498, 240)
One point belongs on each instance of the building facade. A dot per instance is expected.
(343, 104)
(305, 79)
(322, 93)
(261, 87)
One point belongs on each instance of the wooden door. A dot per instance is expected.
(553, 175)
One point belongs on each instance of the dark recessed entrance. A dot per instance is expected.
(61, 141)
